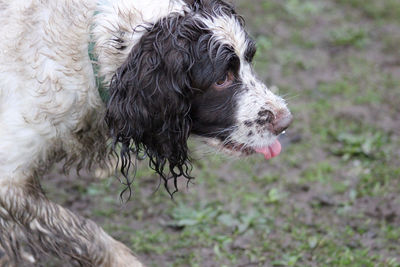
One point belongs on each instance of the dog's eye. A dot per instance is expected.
(224, 82)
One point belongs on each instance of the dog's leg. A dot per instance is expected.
(49, 228)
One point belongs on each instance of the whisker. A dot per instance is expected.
(288, 96)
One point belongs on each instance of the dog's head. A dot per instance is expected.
(190, 72)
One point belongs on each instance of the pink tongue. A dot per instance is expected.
(270, 151)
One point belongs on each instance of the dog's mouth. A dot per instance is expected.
(235, 149)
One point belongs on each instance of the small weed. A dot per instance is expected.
(301, 10)
(364, 145)
(150, 241)
(186, 216)
(319, 172)
(287, 260)
(378, 10)
(341, 87)
(299, 39)
(263, 44)
(378, 180)
(348, 37)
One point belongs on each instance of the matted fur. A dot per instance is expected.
(172, 68)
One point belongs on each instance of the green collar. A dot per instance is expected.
(104, 94)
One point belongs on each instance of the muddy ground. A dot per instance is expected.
(331, 199)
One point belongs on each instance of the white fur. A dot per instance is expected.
(46, 80)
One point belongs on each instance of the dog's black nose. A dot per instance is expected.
(281, 122)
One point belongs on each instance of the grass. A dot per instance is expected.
(330, 199)
(348, 36)
(377, 10)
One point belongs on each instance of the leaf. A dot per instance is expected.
(274, 195)
(228, 220)
(312, 242)
(187, 222)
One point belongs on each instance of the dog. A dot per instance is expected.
(166, 69)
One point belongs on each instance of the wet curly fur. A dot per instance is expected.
(150, 99)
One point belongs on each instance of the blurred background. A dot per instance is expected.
(332, 198)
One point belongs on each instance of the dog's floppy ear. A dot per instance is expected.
(150, 98)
